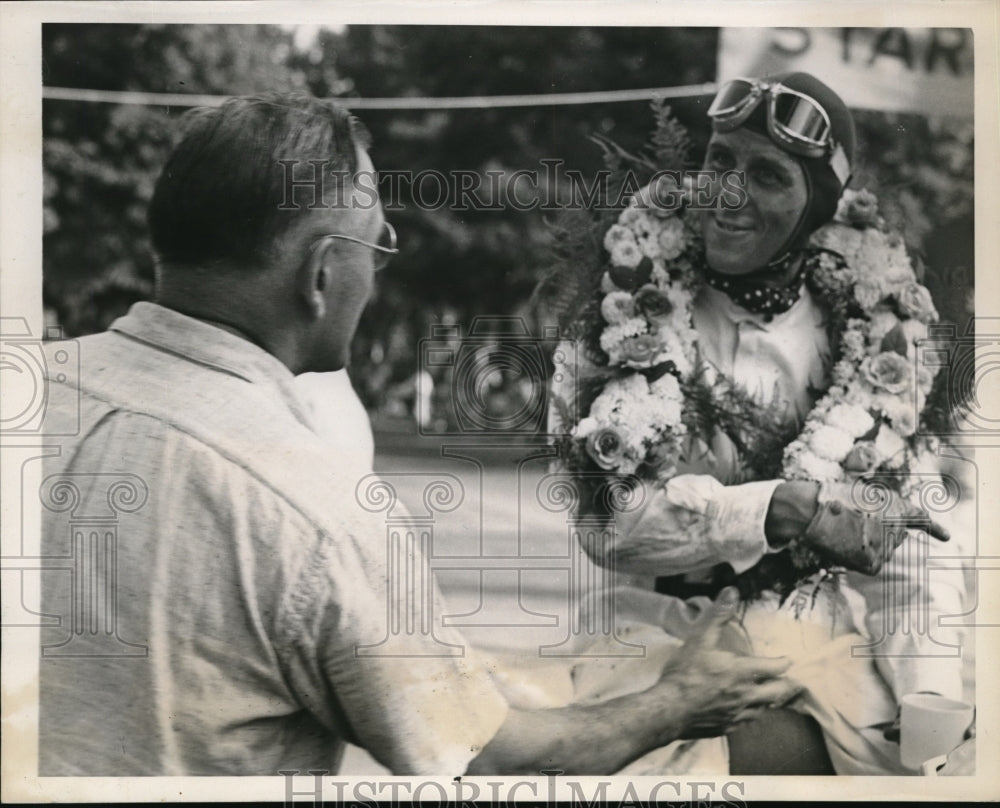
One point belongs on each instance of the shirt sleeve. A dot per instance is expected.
(367, 658)
(692, 522)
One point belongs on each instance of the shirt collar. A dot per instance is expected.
(204, 344)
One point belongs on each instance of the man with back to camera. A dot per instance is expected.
(245, 568)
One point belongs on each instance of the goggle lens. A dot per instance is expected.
(801, 117)
(733, 97)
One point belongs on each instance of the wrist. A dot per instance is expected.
(674, 713)
(792, 507)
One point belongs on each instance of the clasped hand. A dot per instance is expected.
(719, 689)
(860, 539)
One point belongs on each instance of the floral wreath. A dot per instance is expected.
(649, 392)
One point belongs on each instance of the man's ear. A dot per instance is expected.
(314, 280)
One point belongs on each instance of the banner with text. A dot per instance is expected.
(923, 70)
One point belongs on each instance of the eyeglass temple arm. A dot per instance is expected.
(379, 247)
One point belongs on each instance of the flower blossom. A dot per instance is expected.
(915, 301)
(614, 335)
(831, 443)
(868, 292)
(888, 371)
(863, 457)
(617, 235)
(651, 301)
(858, 209)
(606, 448)
(671, 238)
(640, 351)
(626, 254)
(617, 307)
(851, 418)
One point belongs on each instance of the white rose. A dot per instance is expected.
(915, 301)
(626, 254)
(617, 307)
(585, 427)
(617, 235)
(851, 418)
(671, 238)
(888, 371)
(831, 443)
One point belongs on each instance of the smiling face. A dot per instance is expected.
(738, 242)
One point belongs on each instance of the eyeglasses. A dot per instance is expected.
(796, 121)
(385, 247)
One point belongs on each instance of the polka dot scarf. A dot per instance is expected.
(753, 293)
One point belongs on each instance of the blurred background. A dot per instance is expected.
(101, 159)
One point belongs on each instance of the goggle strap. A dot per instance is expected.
(840, 165)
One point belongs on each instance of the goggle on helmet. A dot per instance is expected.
(795, 121)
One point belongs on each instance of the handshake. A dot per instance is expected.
(841, 529)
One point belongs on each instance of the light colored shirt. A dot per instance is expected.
(339, 417)
(776, 361)
(249, 586)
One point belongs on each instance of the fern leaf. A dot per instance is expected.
(670, 139)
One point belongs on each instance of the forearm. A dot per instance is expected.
(702, 692)
(585, 739)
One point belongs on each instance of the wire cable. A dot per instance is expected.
(407, 103)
